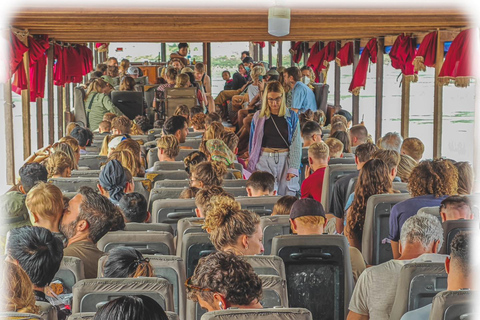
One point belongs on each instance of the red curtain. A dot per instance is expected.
(297, 51)
(72, 63)
(360, 74)
(319, 59)
(261, 43)
(458, 65)
(402, 55)
(16, 51)
(345, 55)
(426, 53)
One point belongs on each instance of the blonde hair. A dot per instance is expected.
(413, 147)
(310, 221)
(57, 163)
(70, 127)
(339, 118)
(169, 143)
(72, 142)
(182, 110)
(257, 72)
(104, 149)
(182, 80)
(226, 221)
(135, 148)
(465, 177)
(186, 70)
(405, 167)
(214, 131)
(198, 121)
(277, 87)
(337, 126)
(127, 159)
(46, 200)
(319, 150)
(67, 149)
(96, 85)
(210, 173)
(17, 294)
(335, 146)
(124, 65)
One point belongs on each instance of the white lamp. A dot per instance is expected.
(278, 21)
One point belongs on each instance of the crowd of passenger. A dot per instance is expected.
(265, 120)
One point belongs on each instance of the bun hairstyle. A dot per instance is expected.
(210, 173)
(226, 221)
(192, 159)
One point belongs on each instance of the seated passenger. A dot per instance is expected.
(30, 175)
(126, 262)
(203, 197)
(16, 294)
(233, 229)
(188, 193)
(121, 126)
(104, 127)
(459, 269)
(358, 135)
(347, 115)
(375, 290)
(302, 95)
(192, 159)
(178, 126)
(134, 147)
(40, 254)
(319, 116)
(413, 147)
(339, 118)
(336, 127)
(206, 174)
(134, 207)
(114, 182)
(73, 143)
(82, 136)
(97, 103)
(311, 133)
(131, 308)
(15, 214)
(392, 159)
(228, 80)
(168, 148)
(308, 76)
(283, 206)
(405, 167)
(217, 150)
(431, 181)
(392, 141)
(198, 122)
(70, 127)
(261, 183)
(59, 165)
(45, 206)
(88, 218)
(182, 110)
(344, 138)
(127, 159)
(456, 208)
(465, 177)
(335, 148)
(142, 124)
(318, 157)
(222, 280)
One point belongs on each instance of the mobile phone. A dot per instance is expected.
(260, 78)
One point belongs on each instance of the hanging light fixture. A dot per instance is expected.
(279, 21)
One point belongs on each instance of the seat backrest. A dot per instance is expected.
(164, 193)
(236, 191)
(137, 226)
(417, 284)
(152, 156)
(317, 263)
(400, 186)
(70, 272)
(341, 161)
(261, 205)
(453, 305)
(332, 174)
(451, 228)
(147, 242)
(187, 225)
(183, 154)
(157, 175)
(86, 173)
(129, 102)
(74, 184)
(93, 162)
(90, 294)
(195, 245)
(192, 143)
(375, 249)
(267, 265)
(172, 315)
(169, 165)
(351, 187)
(260, 314)
(46, 310)
(273, 226)
(79, 105)
(348, 155)
(143, 186)
(178, 96)
(171, 210)
(185, 183)
(274, 291)
(82, 316)
(18, 315)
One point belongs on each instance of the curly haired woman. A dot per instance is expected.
(430, 182)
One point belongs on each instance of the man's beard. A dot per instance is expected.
(68, 230)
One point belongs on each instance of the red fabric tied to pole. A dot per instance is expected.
(297, 51)
(345, 55)
(17, 49)
(360, 75)
(402, 55)
(73, 65)
(38, 67)
(59, 76)
(459, 64)
(319, 60)
(87, 55)
(426, 54)
(261, 43)
(101, 47)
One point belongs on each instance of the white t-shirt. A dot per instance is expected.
(375, 290)
(252, 91)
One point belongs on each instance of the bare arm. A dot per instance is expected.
(355, 316)
(395, 249)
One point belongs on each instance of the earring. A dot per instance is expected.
(220, 305)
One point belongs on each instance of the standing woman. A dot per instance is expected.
(275, 144)
(97, 103)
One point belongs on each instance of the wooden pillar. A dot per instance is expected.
(66, 105)
(305, 52)
(50, 96)
(255, 52)
(337, 76)
(26, 124)
(96, 57)
(207, 57)
(405, 115)
(379, 88)
(260, 53)
(270, 58)
(163, 51)
(356, 99)
(39, 123)
(438, 101)
(291, 55)
(9, 137)
(476, 141)
(60, 111)
(279, 53)
(321, 77)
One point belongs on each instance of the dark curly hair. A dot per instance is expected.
(437, 177)
(227, 274)
(373, 179)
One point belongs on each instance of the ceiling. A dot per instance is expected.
(153, 24)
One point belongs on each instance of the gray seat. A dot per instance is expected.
(167, 174)
(348, 155)
(451, 228)
(169, 165)
(341, 161)
(152, 155)
(195, 245)
(332, 174)
(178, 96)
(453, 305)
(400, 186)
(92, 149)
(171, 210)
(417, 284)
(167, 267)
(93, 162)
(192, 143)
(74, 184)
(86, 173)
(273, 226)
(46, 310)
(260, 314)
(434, 211)
(70, 272)
(18, 315)
(147, 242)
(136, 226)
(187, 225)
(261, 205)
(82, 316)
(274, 291)
(267, 265)
(313, 264)
(163, 193)
(90, 294)
(185, 183)
(375, 249)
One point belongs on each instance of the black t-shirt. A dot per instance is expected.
(339, 196)
(238, 81)
(271, 138)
